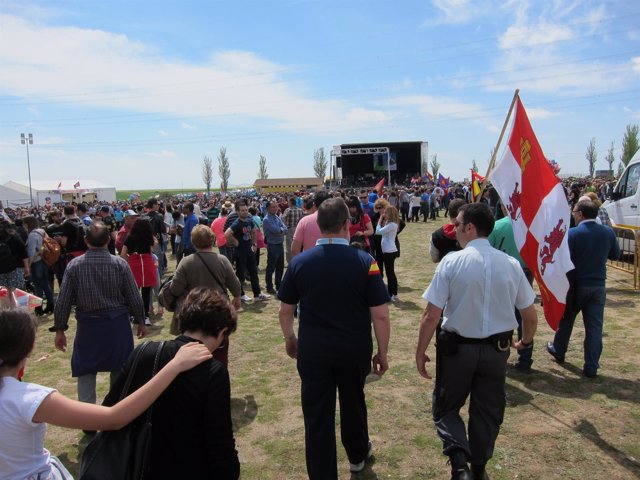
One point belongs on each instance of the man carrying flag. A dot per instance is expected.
(539, 213)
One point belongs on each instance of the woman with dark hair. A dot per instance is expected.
(137, 252)
(14, 261)
(26, 408)
(360, 227)
(192, 433)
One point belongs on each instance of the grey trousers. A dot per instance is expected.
(87, 386)
(479, 371)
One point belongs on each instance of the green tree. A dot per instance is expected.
(610, 158)
(630, 144)
(207, 172)
(435, 166)
(474, 166)
(319, 163)
(224, 170)
(262, 168)
(620, 170)
(592, 156)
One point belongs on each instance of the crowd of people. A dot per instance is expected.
(340, 245)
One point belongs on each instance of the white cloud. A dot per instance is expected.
(435, 108)
(163, 133)
(453, 11)
(96, 68)
(518, 36)
(539, 113)
(162, 154)
(187, 126)
(635, 64)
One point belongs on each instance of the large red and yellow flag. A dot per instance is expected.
(539, 213)
(379, 186)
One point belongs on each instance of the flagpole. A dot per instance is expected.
(492, 163)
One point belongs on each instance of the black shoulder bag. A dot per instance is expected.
(122, 454)
(222, 285)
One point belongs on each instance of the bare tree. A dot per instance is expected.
(630, 144)
(592, 156)
(223, 168)
(207, 172)
(262, 168)
(319, 163)
(435, 166)
(610, 158)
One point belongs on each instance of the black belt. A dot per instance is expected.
(490, 339)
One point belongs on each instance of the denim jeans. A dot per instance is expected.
(40, 279)
(275, 263)
(590, 301)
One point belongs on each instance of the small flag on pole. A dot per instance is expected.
(77, 184)
(442, 181)
(59, 185)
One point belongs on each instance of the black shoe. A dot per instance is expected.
(459, 467)
(589, 374)
(38, 311)
(521, 367)
(552, 351)
(479, 473)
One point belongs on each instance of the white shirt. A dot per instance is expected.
(478, 288)
(388, 240)
(22, 452)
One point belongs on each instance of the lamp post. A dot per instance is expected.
(28, 141)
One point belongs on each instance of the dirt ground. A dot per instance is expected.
(558, 424)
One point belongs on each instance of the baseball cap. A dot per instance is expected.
(130, 213)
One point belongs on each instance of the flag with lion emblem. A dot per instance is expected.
(539, 213)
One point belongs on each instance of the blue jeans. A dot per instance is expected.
(275, 263)
(40, 279)
(590, 301)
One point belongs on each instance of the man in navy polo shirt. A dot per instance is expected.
(341, 292)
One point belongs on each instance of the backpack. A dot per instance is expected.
(7, 261)
(50, 250)
(80, 234)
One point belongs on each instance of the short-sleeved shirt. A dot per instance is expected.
(307, 231)
(478, 288)
(335, 285)
(22, 452)
(502, 238)
(217, 227)
(242, 232)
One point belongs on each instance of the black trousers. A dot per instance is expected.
(319, 383)
(479, 371)
(389, 266)
(246, 266)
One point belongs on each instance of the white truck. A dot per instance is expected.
(624, 206)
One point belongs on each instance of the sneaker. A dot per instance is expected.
(358, 467)
(246, 298)
(394, 298)
(147, 322)
(263, 296)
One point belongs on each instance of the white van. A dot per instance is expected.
(624, 206)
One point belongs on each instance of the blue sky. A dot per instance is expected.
(135, 93)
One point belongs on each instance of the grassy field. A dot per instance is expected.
(557, 423)
(146, 194)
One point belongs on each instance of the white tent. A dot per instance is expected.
(16, 192)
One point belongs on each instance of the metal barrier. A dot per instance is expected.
(629, 240)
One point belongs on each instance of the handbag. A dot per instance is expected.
(165, 297)
(122, 454)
